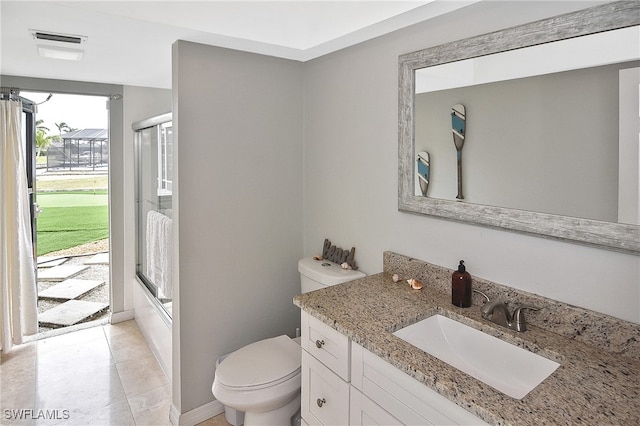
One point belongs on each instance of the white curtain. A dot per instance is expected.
(18, 295)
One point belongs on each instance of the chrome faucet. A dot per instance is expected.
(497, 312)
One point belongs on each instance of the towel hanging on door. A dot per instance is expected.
(159, 241)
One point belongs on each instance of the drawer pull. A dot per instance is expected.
(319, 344)
(321, 402)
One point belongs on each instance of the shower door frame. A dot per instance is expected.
(151, 123)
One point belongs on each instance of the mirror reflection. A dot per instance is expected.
(524, 151)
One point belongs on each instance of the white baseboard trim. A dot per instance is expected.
(197, 415)
(174, 415)
(116, 317)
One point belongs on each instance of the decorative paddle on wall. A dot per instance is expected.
(458, 117)
(423, 172)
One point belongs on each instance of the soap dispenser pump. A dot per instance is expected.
(461, 287)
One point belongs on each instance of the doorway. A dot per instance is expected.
(70, 157)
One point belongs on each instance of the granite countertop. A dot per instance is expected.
(591, 386)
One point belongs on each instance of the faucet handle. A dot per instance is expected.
(519, 321)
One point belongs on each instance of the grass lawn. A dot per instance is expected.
(69, 219)
(97, 182)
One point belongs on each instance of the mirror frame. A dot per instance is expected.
(605, 235)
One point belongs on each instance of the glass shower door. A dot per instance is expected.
(154, 227)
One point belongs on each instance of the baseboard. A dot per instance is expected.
(197, 415)
(174, 415)
(116, 317)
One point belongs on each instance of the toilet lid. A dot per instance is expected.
(266, 361)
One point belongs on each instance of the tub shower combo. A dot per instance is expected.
(153, 183)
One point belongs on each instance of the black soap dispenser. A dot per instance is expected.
(461, 287)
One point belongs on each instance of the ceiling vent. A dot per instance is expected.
(58, 38)
(59, 46)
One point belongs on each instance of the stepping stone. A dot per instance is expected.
(70, 289)
(61, 272)
(51, 261)
(98, 259)
(70, 313)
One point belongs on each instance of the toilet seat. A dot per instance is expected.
(260, 365)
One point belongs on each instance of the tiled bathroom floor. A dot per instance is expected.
(104, 375)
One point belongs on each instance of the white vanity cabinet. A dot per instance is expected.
(345, 384)
(325, 374)
(325, 396)
(399, 395)
(326, 345)
(363, 411)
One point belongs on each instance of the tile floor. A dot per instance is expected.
(104, 375)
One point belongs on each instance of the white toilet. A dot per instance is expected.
(262, 379)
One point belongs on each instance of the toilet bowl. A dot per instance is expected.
(263, 379)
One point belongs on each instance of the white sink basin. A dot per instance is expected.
(511, 370)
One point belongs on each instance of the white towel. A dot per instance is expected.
(159, 239)
(166, 253)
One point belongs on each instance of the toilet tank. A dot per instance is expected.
(317, 274)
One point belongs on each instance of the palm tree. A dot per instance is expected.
(42, 139)
(40, 126)
(62, 127)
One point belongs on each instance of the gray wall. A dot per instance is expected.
(238, 205)
(350, 180)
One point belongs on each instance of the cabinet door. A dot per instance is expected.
(326, 344)
(325, 396)
(364, 412)
(401, 395)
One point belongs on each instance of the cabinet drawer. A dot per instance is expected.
(363, 411)
(326, 344)
(401, 395)
(325, 396)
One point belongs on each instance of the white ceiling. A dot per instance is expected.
(129, 42)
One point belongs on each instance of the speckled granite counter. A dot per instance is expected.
(593, 385)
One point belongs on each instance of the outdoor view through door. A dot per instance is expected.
(72, 225)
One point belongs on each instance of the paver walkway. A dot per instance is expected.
(98, 259)
(72, 292)
(70, 312)
(70, 289)
(61, 272)
(50, 261)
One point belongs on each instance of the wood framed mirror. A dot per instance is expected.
(602, 232)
